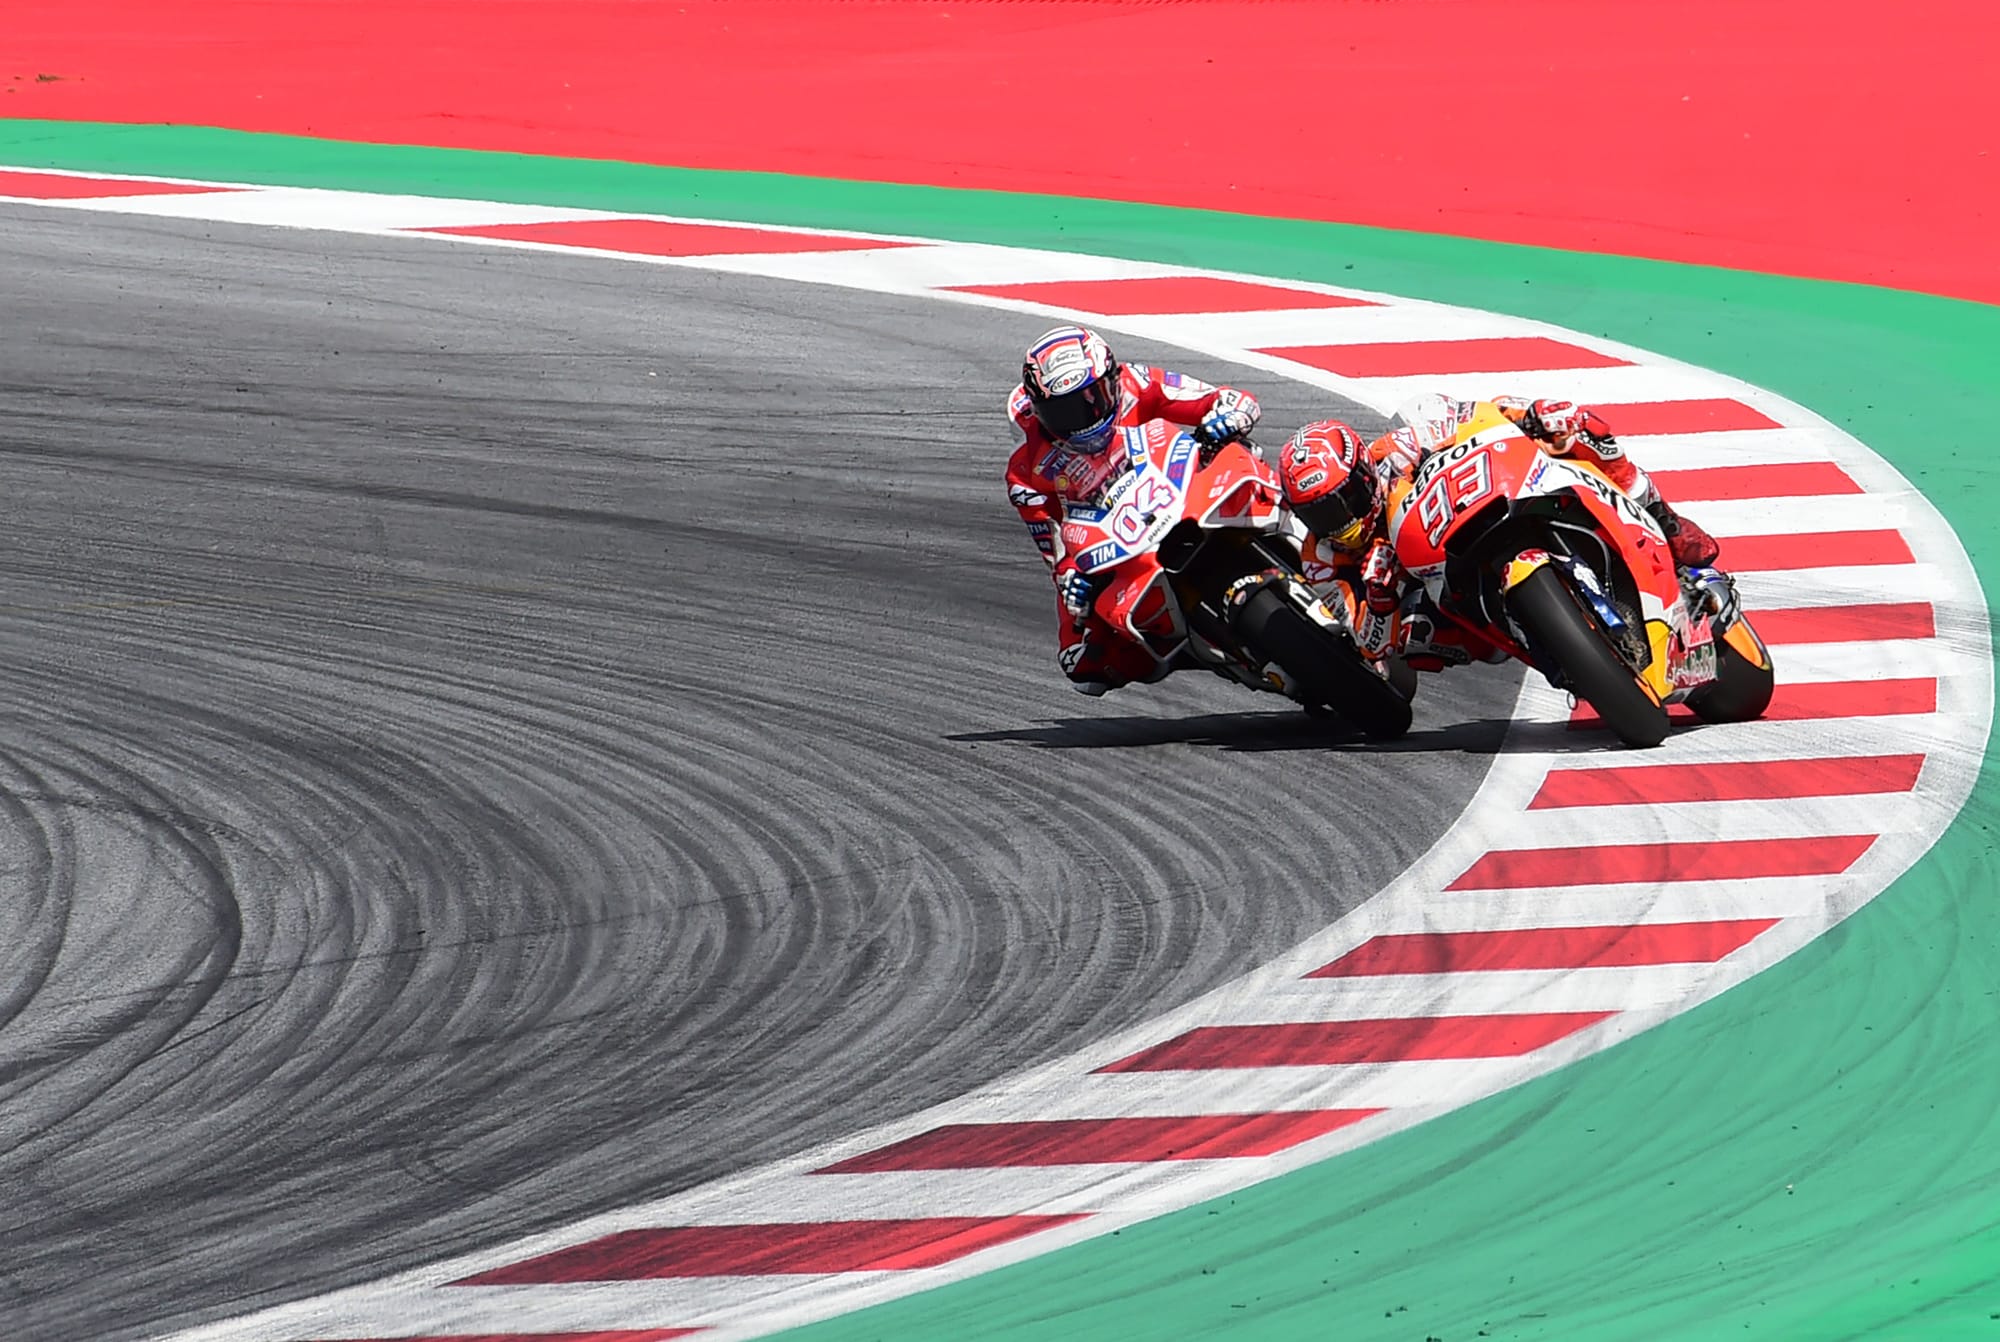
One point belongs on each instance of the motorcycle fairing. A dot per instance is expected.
(1679, 650)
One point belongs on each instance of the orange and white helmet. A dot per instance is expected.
(1329, 484)
(1073, 387)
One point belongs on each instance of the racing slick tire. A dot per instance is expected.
(1560, 631)
(1329, 672)
(1741, 690)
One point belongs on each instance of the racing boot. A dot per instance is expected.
(1096, 670)
(1713, 591)
(1085, 670)
(1692, 547)
(1429, 642)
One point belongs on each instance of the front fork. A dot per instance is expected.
(1632, 642)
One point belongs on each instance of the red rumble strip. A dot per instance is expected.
(1815, 700)
(1545, 948)
(1823, 549)
(1756, 780)
(1636, 419)
(56, 186)
(1410, 358)
(1626, 863)
(1162, 294)
(1783, 480)
(1331, 1043)
(1101, 1141)
(653, 237)
(1846, 624)
(763, 1250)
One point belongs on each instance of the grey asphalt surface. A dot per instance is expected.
(487, 737)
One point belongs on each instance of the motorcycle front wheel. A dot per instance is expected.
(1559, 629)
(1329, 671)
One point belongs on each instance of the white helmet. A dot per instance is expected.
(1072, 383)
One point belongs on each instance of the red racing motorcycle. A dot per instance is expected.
(1196, 560)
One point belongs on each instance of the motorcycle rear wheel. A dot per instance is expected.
(1558, 629)
(1329, 672)
(1741, 690)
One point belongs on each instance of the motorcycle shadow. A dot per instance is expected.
(1250, 732)
(1260, 732)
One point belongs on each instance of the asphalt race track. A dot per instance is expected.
(490, 736)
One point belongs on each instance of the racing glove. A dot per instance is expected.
(1378, 578)
(1075, 591)
(1233, 415)
(1561, 421)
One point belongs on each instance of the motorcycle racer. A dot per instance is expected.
(1338, 489)
(1074, 396)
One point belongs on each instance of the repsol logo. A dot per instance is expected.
(1621, 502)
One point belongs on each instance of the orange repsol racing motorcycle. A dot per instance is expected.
(1550, 561)
(1195, 559)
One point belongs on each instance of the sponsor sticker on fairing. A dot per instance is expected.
(1693, 660)
(1097, 556)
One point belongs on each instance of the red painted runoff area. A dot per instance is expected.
(1774, 481)
(1407, 358)
(56, 186)
(1333, 1043)
(1643, 129)
(1102, 1141)
(1645, 863)
(759, 1250)
(1753, 780)
(1544, 948)
(1637, 419)
(1164, 294)
(1846, 624)
(653, 237)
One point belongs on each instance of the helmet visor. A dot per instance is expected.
(1342, 514)
(1078, 412)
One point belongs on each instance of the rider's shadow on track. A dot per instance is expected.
(1259, 732)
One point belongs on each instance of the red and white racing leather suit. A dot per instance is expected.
(1043, 475)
